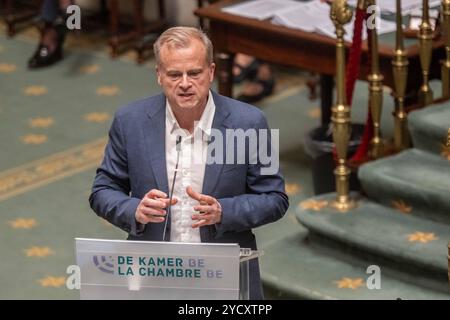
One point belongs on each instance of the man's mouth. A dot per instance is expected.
(185, 95)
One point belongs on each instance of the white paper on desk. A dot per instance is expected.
(305, 16)
(433, 13)
(329, 29)
(390, 6)
(259, 9)
(314, 16)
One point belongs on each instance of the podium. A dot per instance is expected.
(121, 269)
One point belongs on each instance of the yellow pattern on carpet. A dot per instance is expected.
(55, 167)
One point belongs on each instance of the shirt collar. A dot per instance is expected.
(205, 122)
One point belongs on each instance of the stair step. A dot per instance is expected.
(382, 234)
(293, 268)
(429, 127)
(414, 181)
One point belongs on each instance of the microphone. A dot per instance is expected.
(169, 208)
(178, 146)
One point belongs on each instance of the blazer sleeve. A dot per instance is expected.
(265, 200)
(110, 196)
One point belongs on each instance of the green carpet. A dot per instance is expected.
(429, 127)
(417, 179)
(53, 125)
(315, 272)
(403, 227)
(359, 231)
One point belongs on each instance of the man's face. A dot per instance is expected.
(185, 76)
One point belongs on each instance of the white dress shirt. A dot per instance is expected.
(191, 169)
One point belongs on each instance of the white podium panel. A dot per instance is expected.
(121, 269)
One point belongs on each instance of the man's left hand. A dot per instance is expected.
(210, 211)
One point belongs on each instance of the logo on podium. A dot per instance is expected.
(104, 264)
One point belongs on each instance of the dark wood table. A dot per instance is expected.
(143, 32)
(232, 34)
(15, 13)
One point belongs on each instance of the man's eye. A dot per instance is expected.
(194, 74)
(174, 75)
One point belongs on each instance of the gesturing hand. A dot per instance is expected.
(210, 211)
(151, 208)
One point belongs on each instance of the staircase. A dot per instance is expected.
(402, 227)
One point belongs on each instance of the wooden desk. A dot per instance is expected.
(140, 30)
(15, 13)
(232, 34)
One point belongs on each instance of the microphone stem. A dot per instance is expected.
(169, 208)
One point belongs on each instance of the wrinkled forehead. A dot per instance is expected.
(170, 48)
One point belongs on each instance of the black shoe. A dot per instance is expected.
(248, 72)
(43, 57)
(267, 89)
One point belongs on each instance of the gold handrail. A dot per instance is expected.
(400, 71)
(448, 258)
(445, 68)
(375, 79)
(341, 14)
(425, 41)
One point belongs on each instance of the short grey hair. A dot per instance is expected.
(181, 37)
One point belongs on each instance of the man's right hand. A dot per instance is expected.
(152, 207)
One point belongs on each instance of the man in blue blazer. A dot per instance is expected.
(152, 145)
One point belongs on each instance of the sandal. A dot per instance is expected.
(267, 89)
(246, 72)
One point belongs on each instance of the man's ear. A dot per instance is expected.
(212, 69)
(158, 75)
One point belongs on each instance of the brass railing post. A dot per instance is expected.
(340, 15)
(400, 70)
(375, 79)
(445, 68)
(448, 259)
(447, 145)
(426, 50)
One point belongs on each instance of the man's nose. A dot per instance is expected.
(185, 82)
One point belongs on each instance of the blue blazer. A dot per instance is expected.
(135, 162)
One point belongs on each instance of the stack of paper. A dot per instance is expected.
(310, 16)
(390, 6)
(329, 29)
(259, 9)
(433, 13)
(304, 16)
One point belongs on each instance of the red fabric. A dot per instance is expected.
(351, 75)
(361, 153)
(354, 59)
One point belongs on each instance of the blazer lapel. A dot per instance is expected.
(155, 133)
(213, 170)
